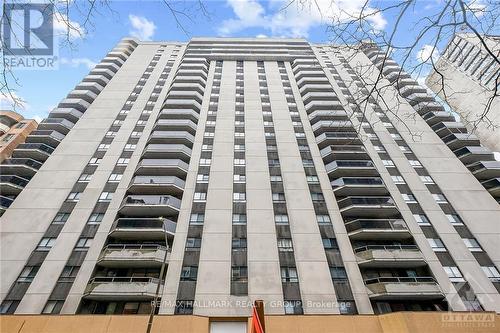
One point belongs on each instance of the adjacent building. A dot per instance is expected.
(13, 131)
(467, 76)
(212, 173)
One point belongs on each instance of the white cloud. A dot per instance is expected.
(478, 7)
(297, 19)
(426, 52)
(261, 36)
(12, 101)
(142, 28)
(76, 62)
(66, 28)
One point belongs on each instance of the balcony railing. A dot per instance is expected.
(366, 201)
(406, 279)
(396, 224)
(386, 247)
(14, 180)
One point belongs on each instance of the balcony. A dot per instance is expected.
(375, 229)
(172, 137)
(150, 205)
(70, 114)
(348, 168)
(417, 98)
(448, 127)
(180, 114)
(50, 138)
(327, 115)
(347, 152)
(319, 96)
(23, 167)
(168, 151)
(175, 125)
(132, 255)
(337, 138)
(471, 154)
(360, 206)
(332, 127)
(423, 108)
(5, 203)
(93, 87)
(315, 88)
(36, 151)
(399, 256)
(484, 170)
(493, 186)
(156, 166)
(432, 118)
(403, 288)
(122, 288)
(346, 186)
(458, 140)
(11, 184)
(60, 125)
(74, 103)
(142, 228)
(156, 185)
(172, 103)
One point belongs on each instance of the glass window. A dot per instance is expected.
(281, 219)
(285, 244)
(421, 219)
(436, 244)
(197, 219)
(95, 218)
(189, 273)
(193, 243)
(398, 180)
(239, 196)
(200, 196)
(106, 196)
(454, 273)
(239, 273)
(239, 219)
(115, 177)
(74, 196)
(338, 273)
(330, 243)
(439, 198)
(472, 244)
(323, 219)
(84, 242)
(46, 242)
(454, 219)
(289, 274)
(492, 273)
(60, 218)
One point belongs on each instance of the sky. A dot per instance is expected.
(41, 90)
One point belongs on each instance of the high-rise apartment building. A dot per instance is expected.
(220, 171)
(467, 75)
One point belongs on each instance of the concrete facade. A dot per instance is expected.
(213, 173)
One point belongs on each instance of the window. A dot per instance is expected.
(83, 243)
(95, 160)
(427, 179)
(193, 243)
(312, 179)
(415, 163)
(123, 161)
(205, 161)
(189, 273)
(239, 196)
(398, 180)
(20, 125)
(69, 273)
(239, 244)
(454, 219)
(293, 307)
(85, 177)
(338, 273)
(322, 219)
(388, 163)
(492, 273)
(200, 196)
(239, 178)
(379, 148)
(330, 243)
(239, 219)
(439, 198)
(95, 218)
(285, 245)
(472, 244)
(115, 177)
(74, 196)
(202, 178)
(278, 197)
(110, 134)
(60, 218)
(8, 137)
(239, 147)
(276, 179)
(289, 274)
(206, 147)
(28, 273)
(103, 146)
(46, 243)
(130, 146)
(281, 219)
(409, 198)
(454, 273)
(421, 219)
(436, 244)
(52, 307)
(239, 273)
(196, 218)
(317, 196)
(106, 196)
(405, 149)
(239, 161)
